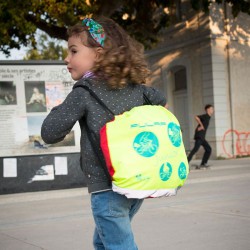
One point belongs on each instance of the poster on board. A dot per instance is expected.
(27, 94)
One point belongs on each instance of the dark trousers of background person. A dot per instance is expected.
(206, 146)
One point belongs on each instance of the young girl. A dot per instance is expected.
(104, 58)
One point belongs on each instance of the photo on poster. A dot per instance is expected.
(34, 129)
(68, 141)
(7, 93)
(35, 139)
(35, 97)
(54, 94)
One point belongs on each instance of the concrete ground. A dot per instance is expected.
(212, 211)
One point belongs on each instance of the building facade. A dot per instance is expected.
(204, 59)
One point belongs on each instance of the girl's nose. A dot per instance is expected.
(66, 60)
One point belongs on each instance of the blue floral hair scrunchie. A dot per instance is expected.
(95, 29)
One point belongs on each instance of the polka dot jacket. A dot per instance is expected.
(80, 106)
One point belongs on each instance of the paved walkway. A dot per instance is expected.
(212, 211)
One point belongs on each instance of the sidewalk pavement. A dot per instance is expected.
(210, 212)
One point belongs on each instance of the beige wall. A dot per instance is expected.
(216, 55)
(231, 38)
(240, 80)
(240, 70)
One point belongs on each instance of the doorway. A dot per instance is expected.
(180, 101)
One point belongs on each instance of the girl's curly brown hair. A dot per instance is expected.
(122, 59)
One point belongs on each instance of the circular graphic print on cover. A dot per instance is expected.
(146, 144)
(182, 171)
(174, 134)
(165, 171)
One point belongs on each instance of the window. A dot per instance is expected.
(180, 77)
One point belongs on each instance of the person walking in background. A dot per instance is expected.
(199, 136)
(103, 58)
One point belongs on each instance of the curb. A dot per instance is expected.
(42, 195)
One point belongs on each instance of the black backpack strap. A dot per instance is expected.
(146, 100)
(94, 144)
(93, 140)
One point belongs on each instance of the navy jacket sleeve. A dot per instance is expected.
(63, 117)
(155, 96)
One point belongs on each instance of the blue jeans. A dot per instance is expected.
(113, 214)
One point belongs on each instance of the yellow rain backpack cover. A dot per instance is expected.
(144, 152)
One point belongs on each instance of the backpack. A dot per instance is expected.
(143, 151)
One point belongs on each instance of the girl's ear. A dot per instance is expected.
(99, 51)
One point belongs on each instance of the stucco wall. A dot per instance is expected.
(239, 48)
(240, 79)
(215, 49)
(231, 44)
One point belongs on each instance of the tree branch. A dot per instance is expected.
(107, 8)
(51, 30)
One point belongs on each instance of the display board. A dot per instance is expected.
(28, 91)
